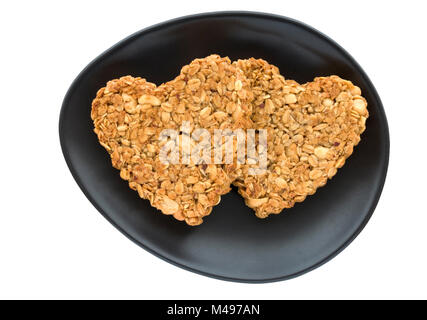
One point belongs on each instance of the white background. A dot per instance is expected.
(53, 242)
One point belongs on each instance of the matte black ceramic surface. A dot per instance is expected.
(231, 244)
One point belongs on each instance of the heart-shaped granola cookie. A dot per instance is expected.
(311, 131)
(130, 116)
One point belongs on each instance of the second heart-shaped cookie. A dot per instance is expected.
(311, 131)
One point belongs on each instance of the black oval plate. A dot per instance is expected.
(232, 244)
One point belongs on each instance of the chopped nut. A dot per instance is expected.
(253, 203)
(193, 84)
(281, 183)
(327, 102)
(124, 174)
(149, 99)
(321, 152)
(205, 112)
(290, 98)
(269, 106)
(315, 174)
(168, 206)
(191, 180)
(166, 117)
(179, 187)
(360, 106)
(199, 187)
(167, 107)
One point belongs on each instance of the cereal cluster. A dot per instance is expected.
(312, 129)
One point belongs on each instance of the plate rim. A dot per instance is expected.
(207, 15)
